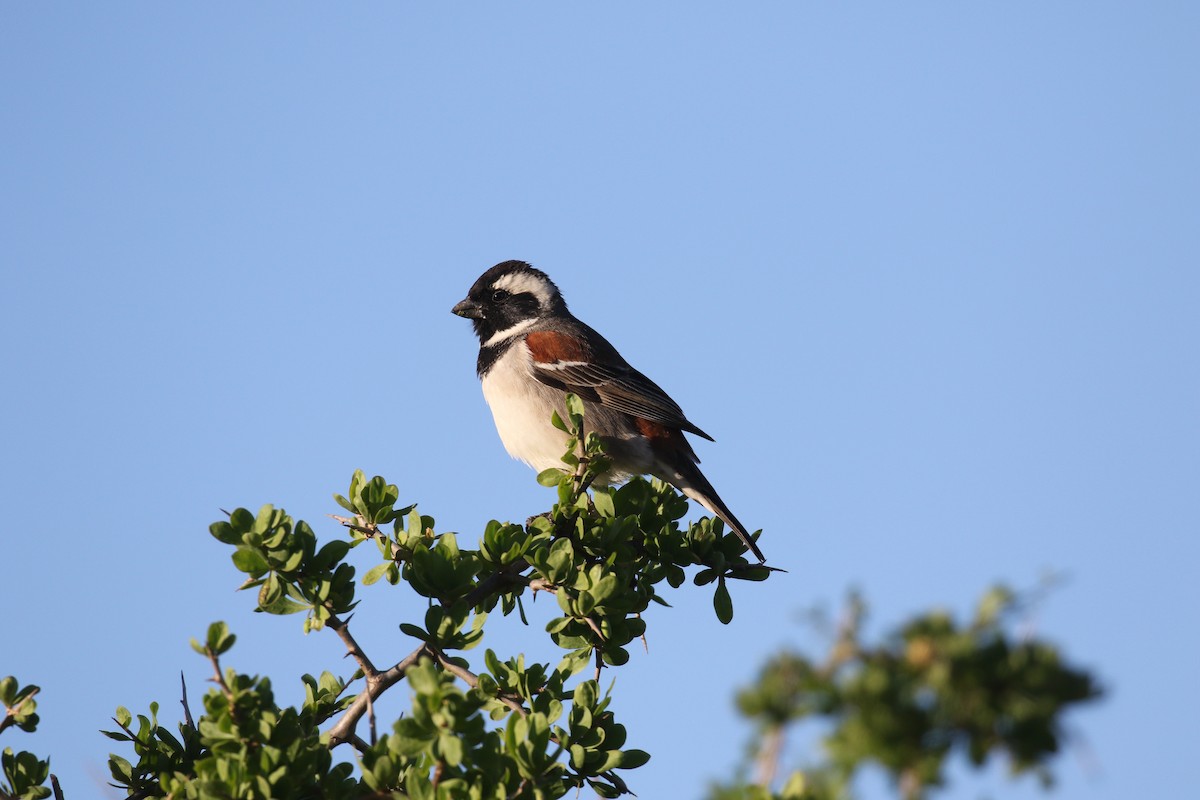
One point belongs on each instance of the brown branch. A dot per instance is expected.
(542, 585)
(58, 793)
(218, 678)
(343, 730)
(369, 529)
(371, 719)
(472, 680)
(342, 628)
(358, 523)
(591, 623)
(495, 582)
(767, 761)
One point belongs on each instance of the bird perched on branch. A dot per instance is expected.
(533, 351)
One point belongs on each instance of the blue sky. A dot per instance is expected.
(927, 272)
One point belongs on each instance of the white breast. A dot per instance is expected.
(521, 408)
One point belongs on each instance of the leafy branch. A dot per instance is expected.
(499, 729)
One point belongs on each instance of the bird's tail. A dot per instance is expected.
(695, 486)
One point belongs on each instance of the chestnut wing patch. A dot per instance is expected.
(551, 347)
(564, 362)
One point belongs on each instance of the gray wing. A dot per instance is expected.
(618, 387)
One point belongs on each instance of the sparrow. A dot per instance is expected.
(533, 351)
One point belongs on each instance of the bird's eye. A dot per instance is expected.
(499, 295)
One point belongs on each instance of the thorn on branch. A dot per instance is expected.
(591, 623)
(358, 523)
(187, 712)
(542, 585)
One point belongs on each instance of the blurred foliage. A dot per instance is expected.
(23, 774)
(907, 704)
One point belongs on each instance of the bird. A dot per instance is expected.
(533, 351)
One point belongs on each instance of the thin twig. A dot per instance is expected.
(472, 680)
(218, 678)
(494, 583)
(616, 781)
(58, 793)
(358, 523)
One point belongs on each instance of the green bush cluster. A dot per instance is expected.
(497, 728)
(934, 687)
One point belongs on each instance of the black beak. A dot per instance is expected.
(468, 308)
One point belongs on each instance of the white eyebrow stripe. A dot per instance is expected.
(508, 333)
(522, 283)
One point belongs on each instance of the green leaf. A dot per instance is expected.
(632, 759)
(122, 770)
(603, 500)
(332, 553)
(223, 532)
(282, 606)
(550, 477)
(219, 639)
(270, 592)
(723, 603)
(575, 410)
(423, 678)
(376, 572)
(451, 748)
(249, 560)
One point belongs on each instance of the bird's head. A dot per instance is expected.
(509, 298)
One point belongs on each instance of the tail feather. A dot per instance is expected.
(675, 462)
(697, 487)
